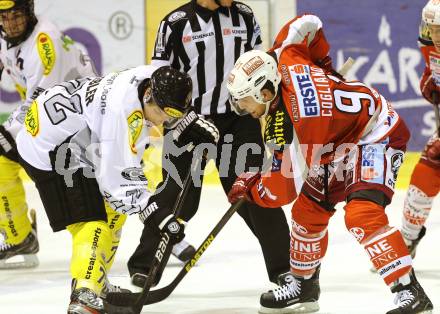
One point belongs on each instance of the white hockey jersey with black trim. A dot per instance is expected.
(93, 123)
(45, 58)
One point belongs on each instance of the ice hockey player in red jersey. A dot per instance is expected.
(351, 142)
(425, 179)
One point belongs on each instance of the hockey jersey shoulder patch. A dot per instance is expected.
(243, 8)
(175, 16)
(32, 122)
(135, 123)
(46, 50)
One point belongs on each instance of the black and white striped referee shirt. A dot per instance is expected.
(206, 44)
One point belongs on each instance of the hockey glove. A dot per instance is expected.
(327, 65)
(433, 152)
(196, 130)
(171, 226)
(161, 218)
(428, 86)
(242, 186)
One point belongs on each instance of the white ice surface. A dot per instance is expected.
(231, 274)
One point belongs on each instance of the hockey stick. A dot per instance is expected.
(346, 66)
(160, 260)
(125, 299)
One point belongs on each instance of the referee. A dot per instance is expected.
(204, 38)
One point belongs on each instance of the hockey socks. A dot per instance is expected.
(416, 210)
(15, 225)
(389, 255)
(306, 253)
(115, 222)
(91, 241)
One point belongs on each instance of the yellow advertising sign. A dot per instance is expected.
(155, 11)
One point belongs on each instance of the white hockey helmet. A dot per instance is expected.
(431, 12)
(250, 73)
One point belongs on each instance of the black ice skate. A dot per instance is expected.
(85, 301)
(183, 251)
(410, 298)
(21, 255)
(412, 244)
(295, 295)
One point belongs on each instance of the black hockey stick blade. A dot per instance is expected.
(154, 296)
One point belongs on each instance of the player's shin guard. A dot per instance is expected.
(389, 255)
(15, 225)
(306, 252)
(368, 223)
(416, 210)
(91, 241)
(115, 222)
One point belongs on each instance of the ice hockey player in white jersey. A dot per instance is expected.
(83, 143)
(36, 55)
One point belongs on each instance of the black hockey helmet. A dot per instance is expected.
(27, 6)
(171, 91)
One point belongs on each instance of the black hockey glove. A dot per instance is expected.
(171, 226)
(196, 130)
(161, 218)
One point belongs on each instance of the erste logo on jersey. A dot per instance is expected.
(46, 50)
(372, 163)
(31, 122)
(307, 95)
(135, 124)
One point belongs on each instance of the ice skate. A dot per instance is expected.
(22, 255)
(183, 251)
(295, 295)
(108, 288)
(410, 297)
(412, 244)
(85, 301)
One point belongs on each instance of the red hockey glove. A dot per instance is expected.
(433, 152)
(242, 185)
(428, 86)
(327, 65)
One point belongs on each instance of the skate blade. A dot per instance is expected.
(306, 307)
(20, 261)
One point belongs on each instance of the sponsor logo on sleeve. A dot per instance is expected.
(135, 124)
(372, 164)
(46, 50)
(243, 8)
(307, 95)
(176, 16)
(31, 121)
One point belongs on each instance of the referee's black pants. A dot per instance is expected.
(269, 225)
